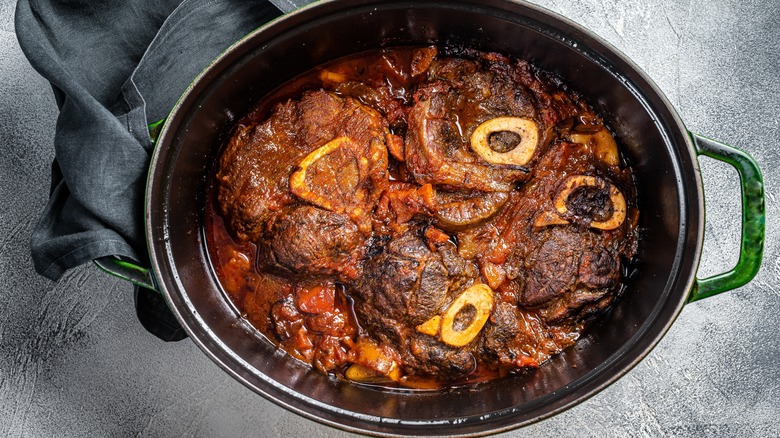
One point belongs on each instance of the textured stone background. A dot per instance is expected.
(74, 361)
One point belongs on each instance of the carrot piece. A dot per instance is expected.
(370, 356)
(430, 327)
(495, 274)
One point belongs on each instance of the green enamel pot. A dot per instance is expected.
(663, 153)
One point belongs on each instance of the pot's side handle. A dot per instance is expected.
(128, 271)
(154, 129)
(753, 219)
(125, 269)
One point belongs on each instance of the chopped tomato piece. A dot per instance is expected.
(316, 299)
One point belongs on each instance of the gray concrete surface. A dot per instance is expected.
(74, 361)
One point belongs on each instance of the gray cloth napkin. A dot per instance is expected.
(115, 67)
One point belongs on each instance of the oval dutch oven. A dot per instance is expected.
(664, 155)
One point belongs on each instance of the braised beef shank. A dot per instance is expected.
(405, 285)
(253, 180)
(458, 96)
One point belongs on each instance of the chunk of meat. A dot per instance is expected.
(566, 268)
(254, 169)
(599, 269)
(419, 354)
(407, 281)
(403, 287)
(345, 177)
(428, 356)
(421, 60)
(551, 269)
(516, 338)
(436, 153)
(566, 260)
(306, 240)
(459, 96)
(458, 210)
(509, 339)
(598, 277)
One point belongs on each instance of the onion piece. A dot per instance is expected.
(601, 143)
(457, 211)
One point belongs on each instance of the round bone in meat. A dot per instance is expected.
(617, 199)
(341, 176)
(520, 154)
(480, 297)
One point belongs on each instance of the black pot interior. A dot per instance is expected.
(653, 140)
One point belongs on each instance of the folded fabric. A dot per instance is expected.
(115, 67)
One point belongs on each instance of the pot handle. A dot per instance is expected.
(753, 220)
(125, 269)
(154, 130)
